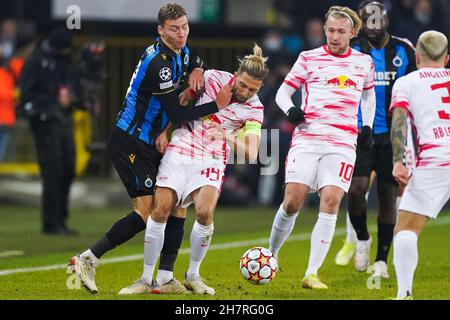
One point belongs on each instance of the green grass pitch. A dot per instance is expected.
(19, 231)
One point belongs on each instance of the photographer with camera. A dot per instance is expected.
(48, 86)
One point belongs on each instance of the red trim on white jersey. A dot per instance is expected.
(332, 86)
(423, 93)
(289, 83)
(345, 55)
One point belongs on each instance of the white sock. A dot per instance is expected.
(281, 229)
(153, 243)
(321, 238)
(88, 255)
(406, 257)
(164, 276)
(350, 231)
(200, 239)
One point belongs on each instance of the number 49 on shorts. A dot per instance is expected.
(212, 174)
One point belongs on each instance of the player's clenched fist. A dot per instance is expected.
(196, 81)
(400, 173)
(224, 96)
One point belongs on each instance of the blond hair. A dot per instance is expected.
(345, 12)
(255, 64)
(432, 45)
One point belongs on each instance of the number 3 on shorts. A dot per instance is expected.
(346, 172)
(213, 174)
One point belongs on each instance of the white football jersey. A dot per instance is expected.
(190, 140)
(425, 93)
(331, 92)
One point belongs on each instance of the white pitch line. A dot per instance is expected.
(220, 246)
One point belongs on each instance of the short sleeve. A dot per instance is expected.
(400, 95)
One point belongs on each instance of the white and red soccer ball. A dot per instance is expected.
(259, 266)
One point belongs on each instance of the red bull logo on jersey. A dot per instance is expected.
(342, 82)
(212, 118)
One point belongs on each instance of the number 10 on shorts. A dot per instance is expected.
(346, 172)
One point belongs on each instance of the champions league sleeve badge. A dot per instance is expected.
(165, 74)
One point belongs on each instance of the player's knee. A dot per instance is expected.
(292, 205)
(330, 203)
(143, 207)
(143, 211)
(406, 224)
(204, 214)
(160, 213)
(356, 193)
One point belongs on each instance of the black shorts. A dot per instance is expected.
(378, 158)
(135, 161)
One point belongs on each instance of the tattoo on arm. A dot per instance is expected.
(398, 133)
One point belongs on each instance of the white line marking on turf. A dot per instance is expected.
(11, 253)
(220, 246)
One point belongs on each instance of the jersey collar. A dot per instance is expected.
(165, 49)
(345, 55)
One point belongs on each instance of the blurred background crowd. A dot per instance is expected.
(108, 45)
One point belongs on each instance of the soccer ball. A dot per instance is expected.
(258, 265)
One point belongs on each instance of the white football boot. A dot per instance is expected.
(173, 286)
(197, 286)
(362, 255)
(379, 269)
(85, 271)
(140, 286)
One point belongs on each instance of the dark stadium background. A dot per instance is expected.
(220, 31)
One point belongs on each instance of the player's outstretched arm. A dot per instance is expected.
(178, 113)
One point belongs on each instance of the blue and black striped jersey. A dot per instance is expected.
(160, 72)
(391, 62)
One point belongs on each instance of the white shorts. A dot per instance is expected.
(318, 169)
(427, 191)
(184, 176)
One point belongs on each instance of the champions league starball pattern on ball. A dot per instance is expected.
(259, 266)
